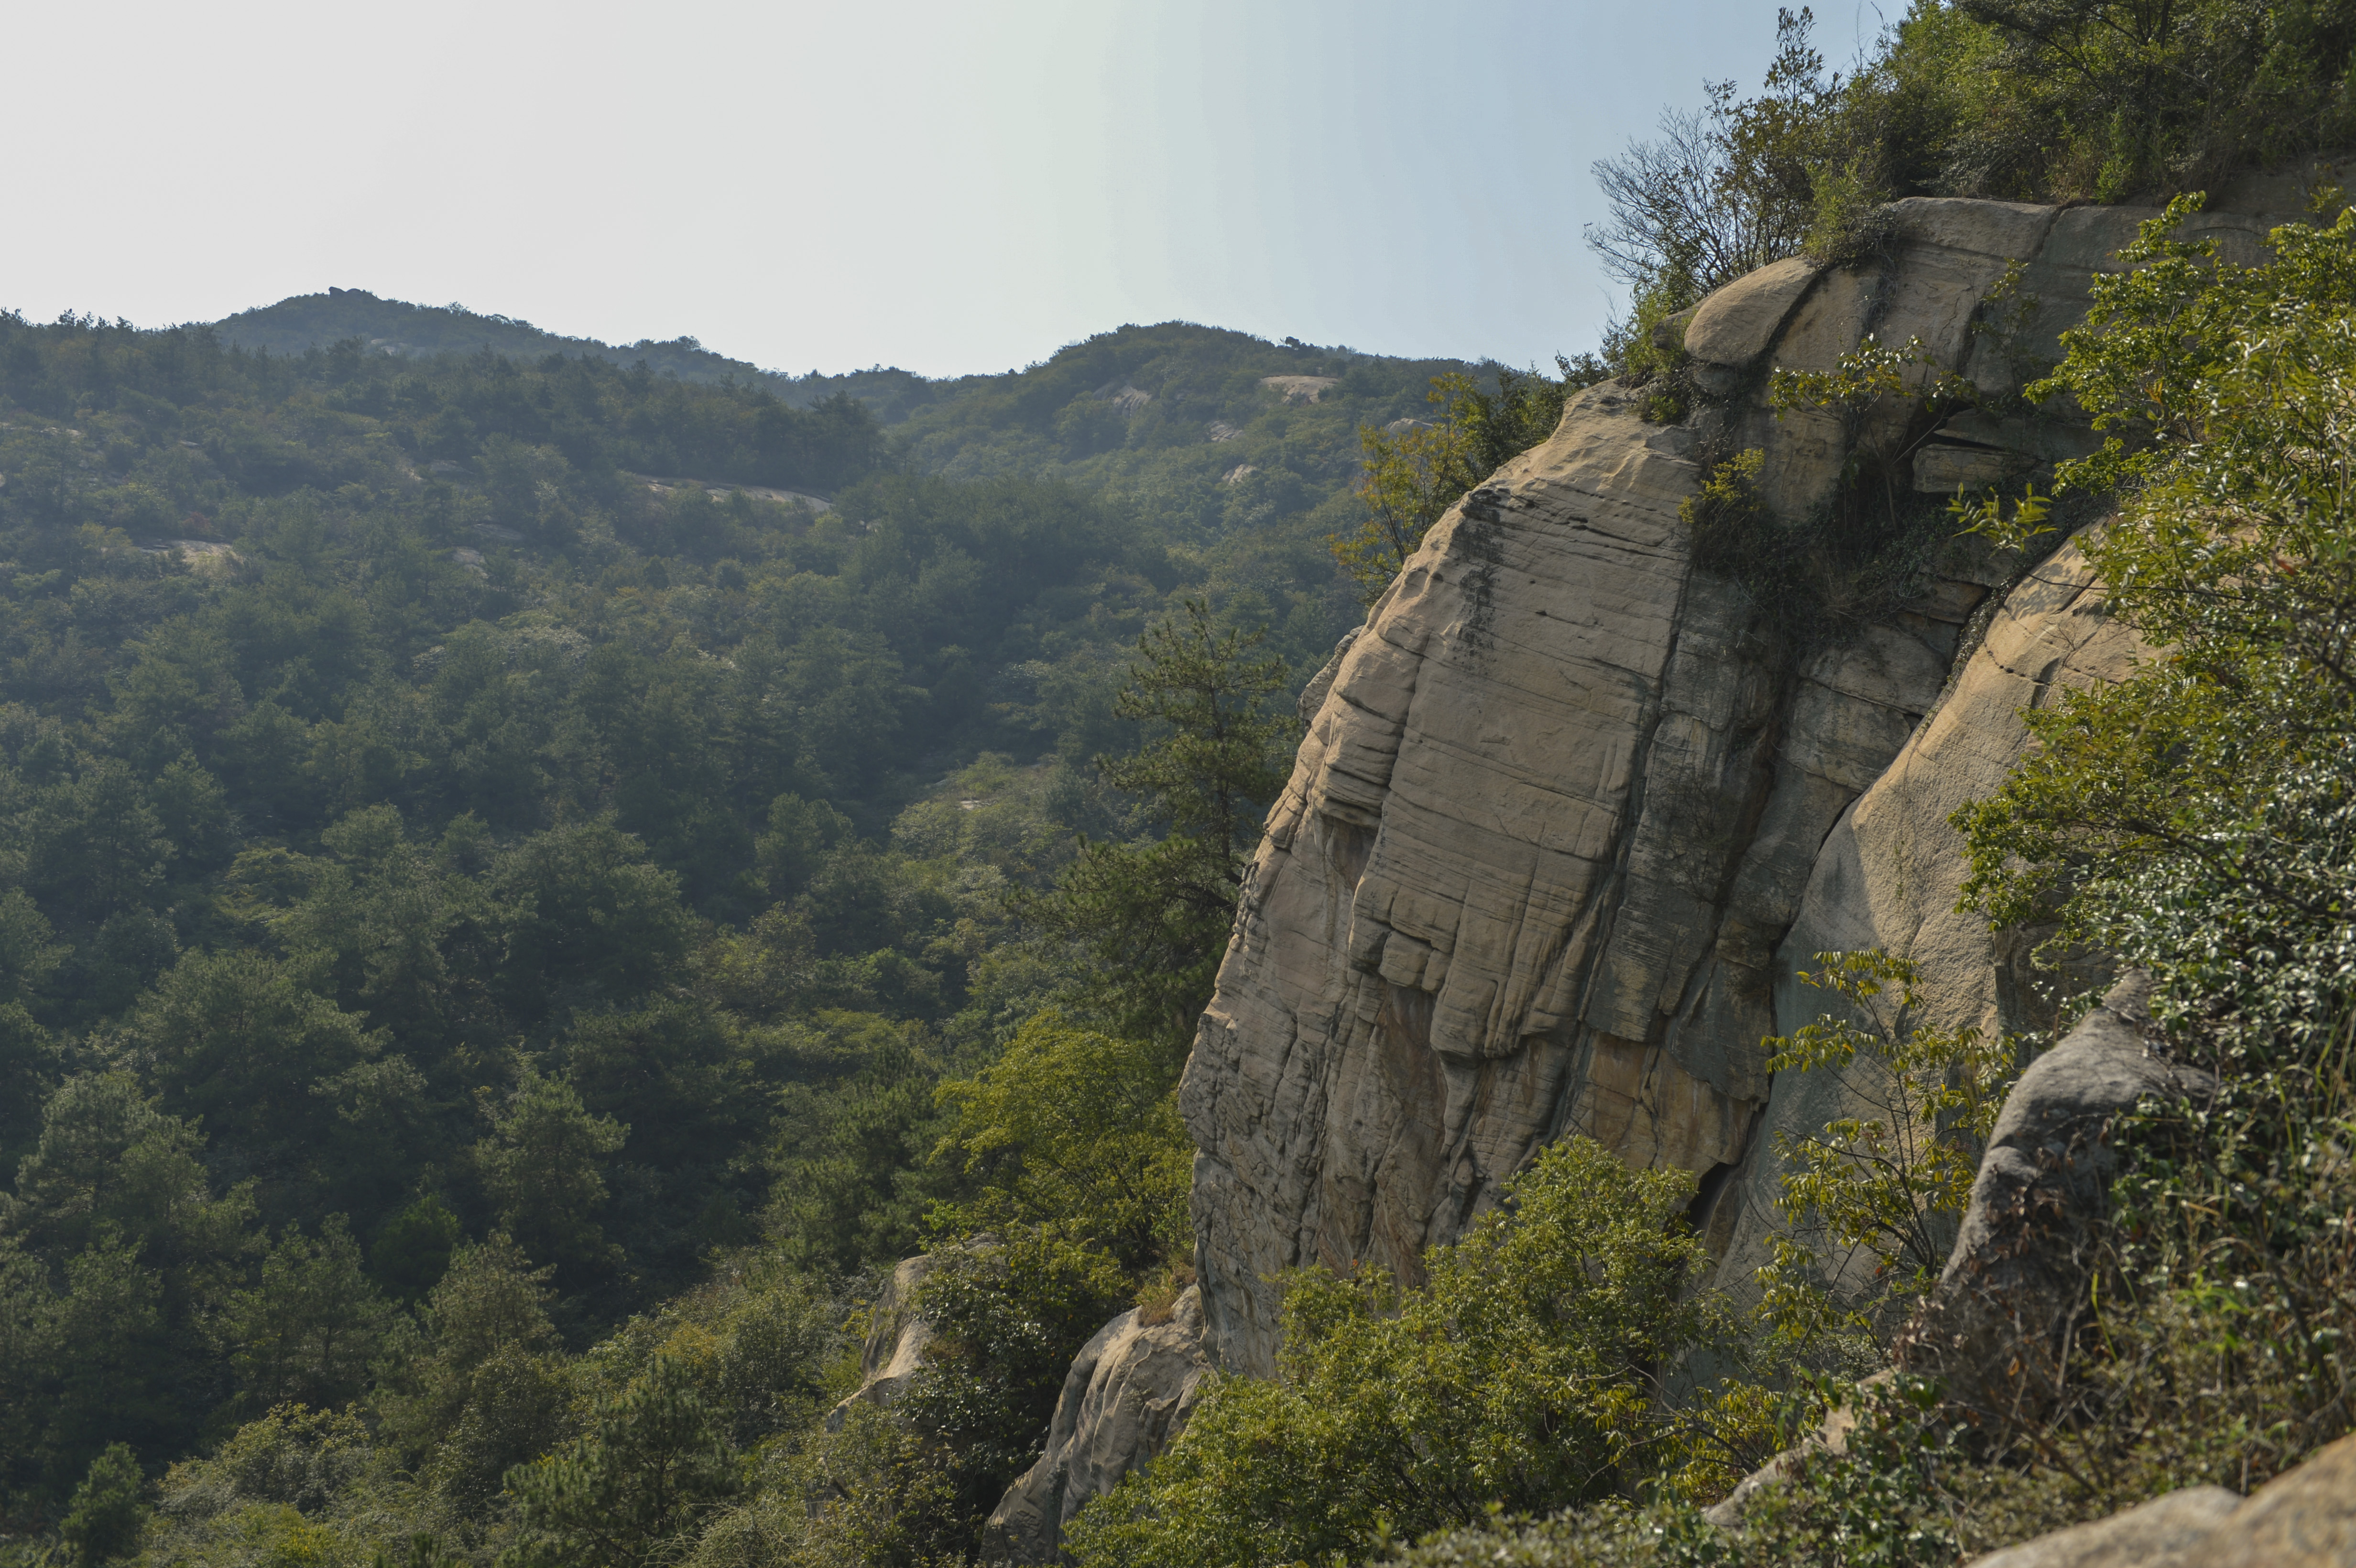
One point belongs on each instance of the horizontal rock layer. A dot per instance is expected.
(1557, 812)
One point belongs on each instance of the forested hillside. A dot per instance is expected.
(422, 827)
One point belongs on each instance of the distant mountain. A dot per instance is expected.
(1216, 435)
(304, 322)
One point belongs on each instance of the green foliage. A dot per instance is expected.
(2045, 101)
(651, 1464)
(411, 1251)
(1725, 190)
(540, 1165)
(1152, 918)
(1876, 1506)
(309, 1329)
(478, 1387)
(1526, 1371)
(104, 1516)
(1077, 1132)
(2107, 99)
(2214, 385)
(1007, 1320)
(1416, 472)
(1891, 1184)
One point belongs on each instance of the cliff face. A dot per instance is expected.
(1563, 826)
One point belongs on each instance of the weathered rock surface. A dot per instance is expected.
(2304, 1518)
(896, 1338)
(1888, 874)
(2159, 1529)
(2014, 1290)
(1559, 809)
(1561, 829)
(1126, 1395)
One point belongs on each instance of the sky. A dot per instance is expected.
(947, 187)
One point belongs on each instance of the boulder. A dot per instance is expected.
(2156, 1531)
(1997, 1327)
(2304, 1518)
(1128, 1394)
(896, 1339)
(1727, 332)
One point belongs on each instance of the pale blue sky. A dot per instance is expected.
(945, 187)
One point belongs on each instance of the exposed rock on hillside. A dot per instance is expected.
(1128, 1393)
(1888, 873)
(2303, 1518)
(898, 1338)
(1551, 827)
(1995, 1330)
(1567, 819)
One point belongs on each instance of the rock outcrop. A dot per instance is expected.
(2304, 1518)
(897, 1336)
(1566, 821)
(1126, 1393)
(1995, 1328)
(1560, 808)
(1888, 874)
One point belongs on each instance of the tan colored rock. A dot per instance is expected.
(2157, 1530)
(1941, 468)
(1995, 1330)
(1539, 862)
(1128, 1394)
(1730, 330)
(2304, 1518)
(1890, 873)
(896, 1339)
(1527, 877)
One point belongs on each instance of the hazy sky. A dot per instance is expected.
(944, 186)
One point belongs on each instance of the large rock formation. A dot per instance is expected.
(1560, 808)
(1128, 1392)
(1565, 822)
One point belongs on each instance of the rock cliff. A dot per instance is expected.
(1131, 1388)
(1570, 812)
(1564, 821)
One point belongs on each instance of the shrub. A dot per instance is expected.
(1527, 1371)
(1078, 1130)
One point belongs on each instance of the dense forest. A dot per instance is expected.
(535, 837)
(528, 881)
(426, 833)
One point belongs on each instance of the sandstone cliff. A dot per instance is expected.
(1564, 824)
(1569, 814)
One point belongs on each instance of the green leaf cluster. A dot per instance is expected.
(1523, 1370)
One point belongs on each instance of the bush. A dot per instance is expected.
(1527, 1371)
(1078, 1131)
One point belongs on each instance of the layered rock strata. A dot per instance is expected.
(1890, 873)
(1564, 824)
(1561, 805)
